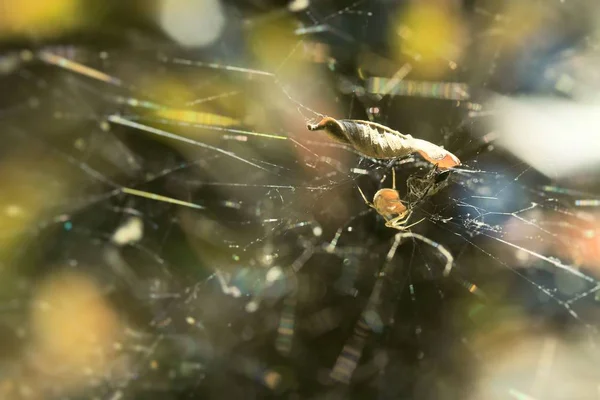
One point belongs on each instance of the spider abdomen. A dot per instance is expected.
(387, 202)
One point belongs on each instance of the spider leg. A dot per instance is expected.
(365, 197)
(394, 178)
(403, 228)
(399, 220)
(441, 249)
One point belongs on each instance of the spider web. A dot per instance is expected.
(170, 227)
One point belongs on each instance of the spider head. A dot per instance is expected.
(387, 202)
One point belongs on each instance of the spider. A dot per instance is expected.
(387, 203)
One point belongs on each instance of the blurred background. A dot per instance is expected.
(170, 229)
